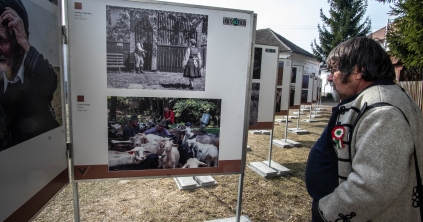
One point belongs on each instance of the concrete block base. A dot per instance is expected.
(282, 120)
(310, 120)
(263, 169)
(186, 183)
(282, 143)
(254, 131)
(298, 131)
(242, 218)
(205, 181)
(263, 132)
(249, 148)
(282, 171)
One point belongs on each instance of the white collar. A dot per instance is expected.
(19, 76)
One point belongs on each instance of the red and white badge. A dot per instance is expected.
(337, 134)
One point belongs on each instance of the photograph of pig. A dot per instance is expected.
(147, 133)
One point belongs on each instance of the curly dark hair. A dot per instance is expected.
(366, 54)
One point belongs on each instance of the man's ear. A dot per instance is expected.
(358, 73)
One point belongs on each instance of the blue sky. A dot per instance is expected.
(295, 20)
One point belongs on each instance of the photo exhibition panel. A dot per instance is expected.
(33, 159)
(141, 67)
(262, 103)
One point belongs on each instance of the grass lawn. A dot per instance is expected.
(276, 199)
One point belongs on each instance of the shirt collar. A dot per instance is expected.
(19, 76)
(376, 83)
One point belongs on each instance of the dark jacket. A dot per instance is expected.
(25, 109)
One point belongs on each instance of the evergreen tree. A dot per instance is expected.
(343, 23)
(405, 36)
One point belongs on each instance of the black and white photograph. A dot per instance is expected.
(257, 63)
(156, 50)
(30, 100)
(147, 133)
(254, 103)
(278, 100)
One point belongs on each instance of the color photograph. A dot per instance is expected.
(146, 133)
(155, 50)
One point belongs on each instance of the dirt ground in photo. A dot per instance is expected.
(153, 80)
(159, 199)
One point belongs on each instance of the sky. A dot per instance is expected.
(296, 20)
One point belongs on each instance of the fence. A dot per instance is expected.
(415, 90)
(117, 54)
(169, 58)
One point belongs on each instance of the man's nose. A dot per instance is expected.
(330, 77)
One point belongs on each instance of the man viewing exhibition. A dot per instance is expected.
(362, 168)
(28, 81)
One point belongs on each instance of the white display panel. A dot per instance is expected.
(296, 87)
(225, 75)
(264, 78)
(33, 157)
(283, 87)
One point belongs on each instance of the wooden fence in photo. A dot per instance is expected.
(415, 90)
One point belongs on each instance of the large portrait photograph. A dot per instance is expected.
(30, 91)
(156, 50)
(150, 133)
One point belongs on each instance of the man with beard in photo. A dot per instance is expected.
(27, 80)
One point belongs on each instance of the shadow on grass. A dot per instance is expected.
(256, 155)
(306, 143)
(320, 126)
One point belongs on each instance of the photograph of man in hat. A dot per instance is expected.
(132, 129)
(139, 54)
(27, 80)
(159, 130)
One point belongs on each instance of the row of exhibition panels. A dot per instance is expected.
(248, 83)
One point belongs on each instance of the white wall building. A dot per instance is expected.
(288, 50)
